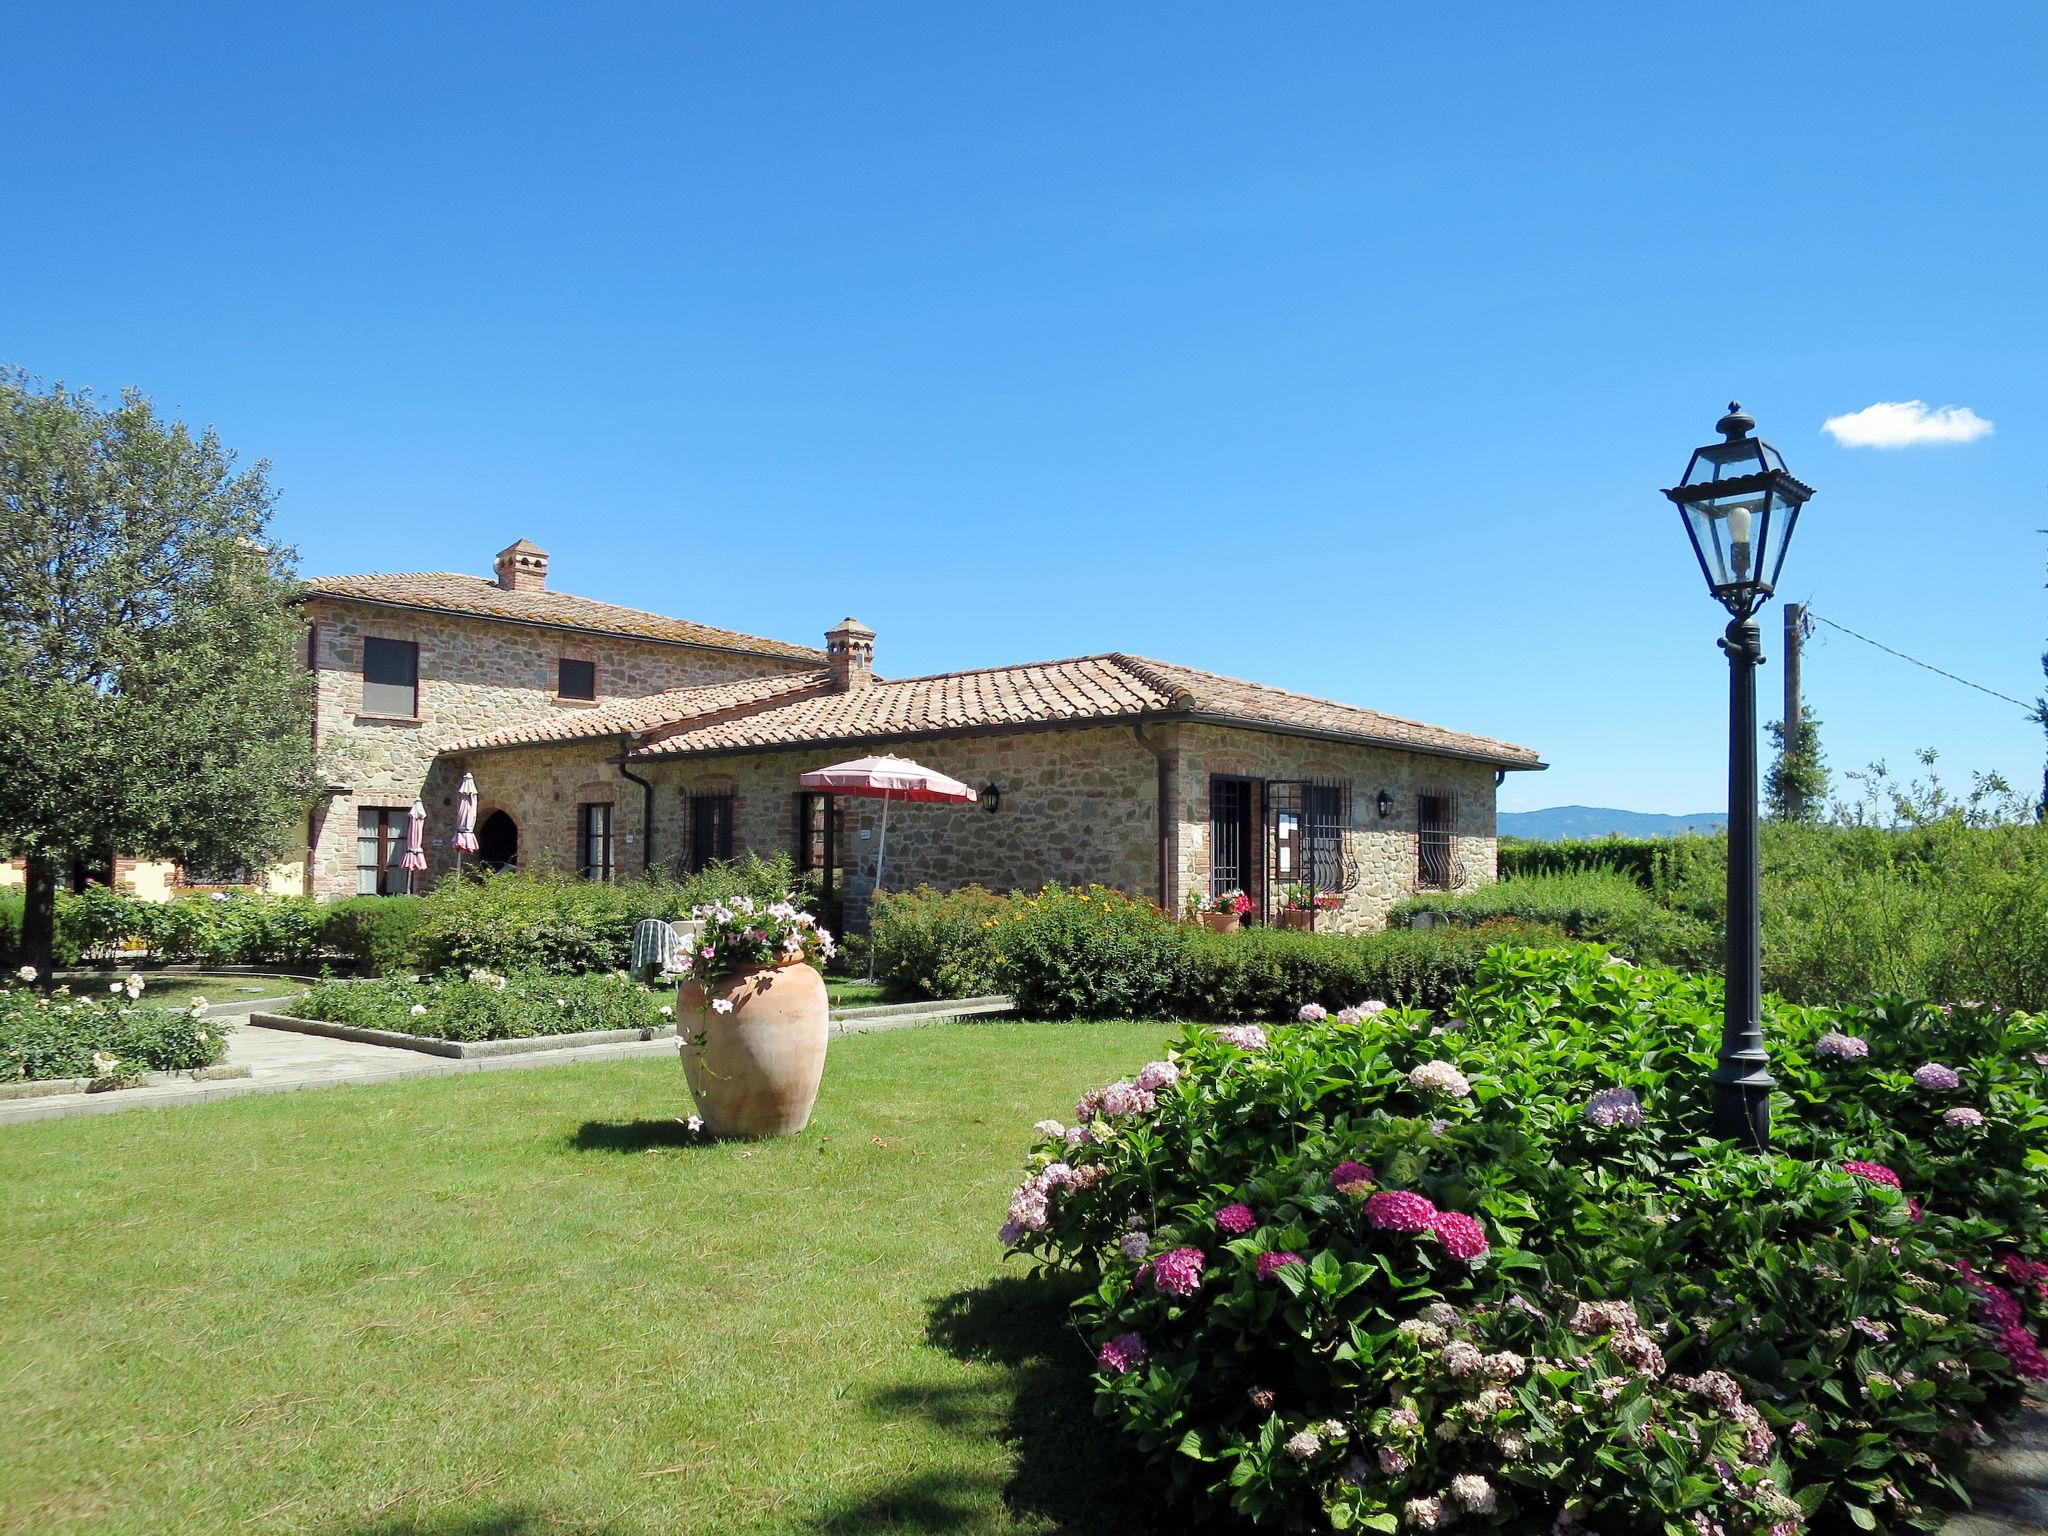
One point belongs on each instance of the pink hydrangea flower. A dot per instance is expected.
(1842, 1047)
(1400, 1210)
(1156, 1075)
(1178, 1272)
(1393, 1462)
(1269, 1263)
(1372, 1005)
(1877, 1173)
(1122, 1354)
(1122, 1100)
(1311, 1013)
(1936, 1078)
(1236, 1218)
(1462, 1237)
(1349, 1177)
(1964, 1117)
(1246, 1037)
(2018, 1346)
(1349, 1016)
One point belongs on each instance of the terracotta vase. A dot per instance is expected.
(757, 1072)
(1222, 922)
(1297, 917)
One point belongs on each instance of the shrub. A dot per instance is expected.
(514, 922)
(483, 1006)
(931, 943)
(1639, 858)
(12, 900)
(1266, 973)
(109, 1035)
(379, 935)
(1583, 902)
(1090, 954)
(1096, 953)
(1376, 1271)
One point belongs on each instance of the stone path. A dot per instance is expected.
(281, 1061)
(2010, 1482)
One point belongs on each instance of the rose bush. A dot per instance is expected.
(1386, 1270)
(102, 1030)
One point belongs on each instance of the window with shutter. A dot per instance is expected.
(391, 677)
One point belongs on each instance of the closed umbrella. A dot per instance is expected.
(465, 818)
(415, 860)
(888, 778)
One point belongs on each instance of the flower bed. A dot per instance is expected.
(484, 1006)
(1385, 1271)
(109, 1036)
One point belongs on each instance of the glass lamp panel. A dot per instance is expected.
(1784, 518)
(1730, 531)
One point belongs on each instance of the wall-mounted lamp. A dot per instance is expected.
(991, 798)
(1385, 805)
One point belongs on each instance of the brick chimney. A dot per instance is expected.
(523, 567)
(850, 651)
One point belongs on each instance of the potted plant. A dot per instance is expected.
(751, 1016)
(1221, 913)
(1299, 905)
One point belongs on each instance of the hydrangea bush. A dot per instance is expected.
(1378, 1269)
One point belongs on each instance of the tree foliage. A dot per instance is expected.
(152, 702)
(1799, 774)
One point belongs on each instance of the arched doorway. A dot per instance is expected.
(497, 842)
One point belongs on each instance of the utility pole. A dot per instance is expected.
(1793, 738)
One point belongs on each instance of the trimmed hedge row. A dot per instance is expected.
(1639, 858)
(507, 922)
(1096, 953)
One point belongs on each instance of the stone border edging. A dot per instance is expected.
(50, 1087)
(460, 1050)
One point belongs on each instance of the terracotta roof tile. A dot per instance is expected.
(1086, 688)
(480, 597)
(706, 702)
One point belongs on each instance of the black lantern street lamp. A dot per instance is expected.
(1740, 506)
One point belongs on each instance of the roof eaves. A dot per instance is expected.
(784, 650)
(1530, 764)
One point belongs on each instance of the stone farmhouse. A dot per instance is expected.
(606, 741)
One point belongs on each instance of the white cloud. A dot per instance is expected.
(1906, 424)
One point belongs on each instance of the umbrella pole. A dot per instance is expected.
(881, 854)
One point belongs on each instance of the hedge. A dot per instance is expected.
(1096, 953)
(505, 922)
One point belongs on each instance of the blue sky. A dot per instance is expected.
(1340, 347)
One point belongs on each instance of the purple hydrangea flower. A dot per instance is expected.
(1963, 1117)
(1614, 1106)
(1156, 1075)
(1937, 1078)
(1842, 1047)
(1122, 1354)
(1311, 1013)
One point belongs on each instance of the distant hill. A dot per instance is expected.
(1563, 821)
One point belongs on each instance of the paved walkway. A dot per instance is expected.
(2010, 1483)
(282, 1061)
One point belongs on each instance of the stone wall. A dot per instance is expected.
(1074, 806)
(475, 675)
(1381, 853)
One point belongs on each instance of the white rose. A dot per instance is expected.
(26, 973)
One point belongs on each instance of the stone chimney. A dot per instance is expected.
(523, 567)
(850, 651)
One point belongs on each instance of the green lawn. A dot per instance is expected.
(510, 1303)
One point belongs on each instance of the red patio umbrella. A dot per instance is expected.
(415, 860)
(888, 778)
